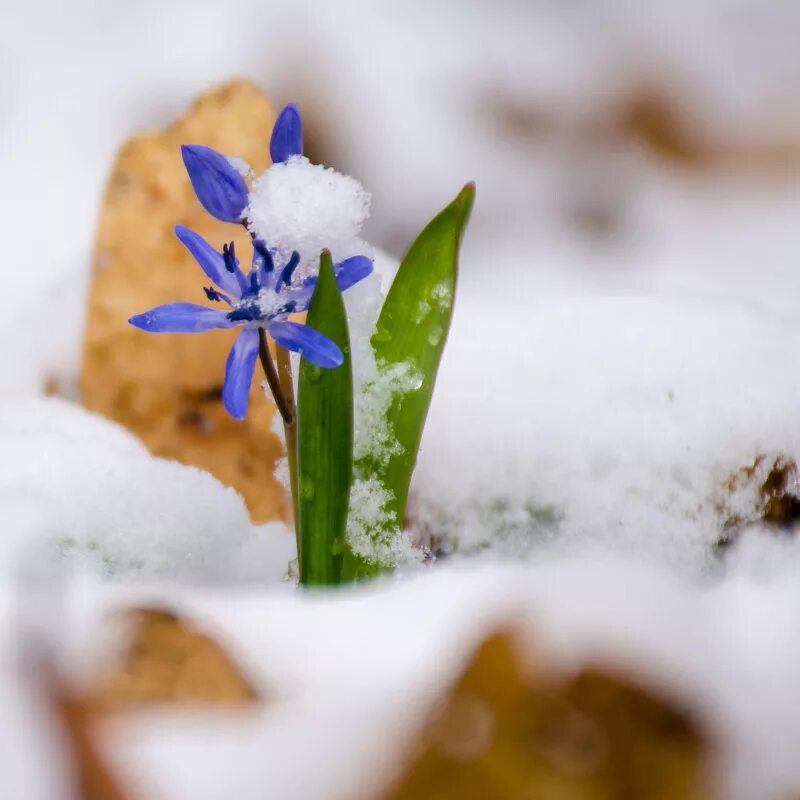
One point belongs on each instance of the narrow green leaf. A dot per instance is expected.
(411, 332)
(324, 440)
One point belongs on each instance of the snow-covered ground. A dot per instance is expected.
(625, 339)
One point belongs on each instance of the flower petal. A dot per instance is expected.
(287, 135)
(181, 318)
(352, 270)
(239, 373)
(311, 344)
(219, 187)
(210, 261)
(298, 299)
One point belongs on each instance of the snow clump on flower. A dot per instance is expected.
(299, 206)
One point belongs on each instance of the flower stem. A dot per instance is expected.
(284, 406)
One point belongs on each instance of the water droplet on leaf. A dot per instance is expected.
(307, 488)
(313, 373)
(337, 547)
(415, 381)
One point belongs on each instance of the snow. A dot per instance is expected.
(374, 440)
(371, 533)
(605, 422)
(241, 166)
(299, 206)
(30, 741)
(85, 488)
(708, 646)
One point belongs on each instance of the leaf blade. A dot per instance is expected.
(412, 329)
(324, 440)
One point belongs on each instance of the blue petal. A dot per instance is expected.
(181, 318)
(239, 373)
(298, 299)
(210, 261)
(219, 187)
(311, 344)
(352, 270)
(287, 135)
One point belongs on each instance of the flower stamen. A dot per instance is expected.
(229, 254)
(286, 276)
(260, 246)
(217, 297)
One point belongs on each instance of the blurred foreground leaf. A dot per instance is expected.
(324, 440)
(508, 733)
(93, 780)
(168, 660)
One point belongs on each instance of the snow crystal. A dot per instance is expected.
(370, 532)
(297, 205)
(241, 166)
(374, 439)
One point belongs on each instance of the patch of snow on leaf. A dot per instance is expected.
(371, 533)
(374, 439)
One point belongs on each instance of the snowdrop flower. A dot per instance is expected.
(280, 281)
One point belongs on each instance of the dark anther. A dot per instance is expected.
(288, 270)
(248, 313)
(215, 296)
(229, 255)
(260, 246)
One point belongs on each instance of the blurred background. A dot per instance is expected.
(619, 142)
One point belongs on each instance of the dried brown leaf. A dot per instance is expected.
(169, 660)
(507, 733)
(166, 389)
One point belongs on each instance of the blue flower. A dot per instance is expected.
(263, 298)
(267, 294)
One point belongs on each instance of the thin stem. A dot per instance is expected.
(284, 406)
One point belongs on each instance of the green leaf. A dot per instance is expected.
(324, 440)
(411, 331)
